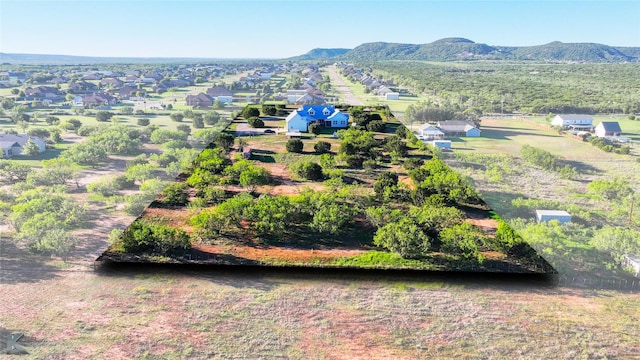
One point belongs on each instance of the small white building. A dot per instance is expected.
(442, 144)
(632, 262)
(561, 216)
(392, 96)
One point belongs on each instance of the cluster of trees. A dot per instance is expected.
(609, 146)
(524, 87)
(280, 215)
(547, 161)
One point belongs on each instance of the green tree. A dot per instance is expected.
(294, 145)
(322, 147)
(225, 141)
(211, 117)
(271, 214)
(143, 121)
(198, 122)
(104, 115)
(308, 170)
(175, 194)
(403, 237)
(385, 180)
(314, 129)
(249, 111)
(177, 117)
(254, 176)
(464, 240)
(30, 148)
(255, 122)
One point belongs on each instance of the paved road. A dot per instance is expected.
(341, 88)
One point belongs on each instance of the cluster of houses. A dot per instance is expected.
(583, 124)
(380, 87)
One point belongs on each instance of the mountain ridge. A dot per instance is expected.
(455, 49)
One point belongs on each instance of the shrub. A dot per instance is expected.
(354, 161)
(314, 129)
(248, 112)
(376, 126)
(143, 121)
(177, 117)
(175, 194)
(322, 147)
(413, 163)
(308, 170)
(255, 122)
(145, 237)
(369, 164)
(294, 145)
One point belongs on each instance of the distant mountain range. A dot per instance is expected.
(448, 49)
(454, 49)
(45, 59)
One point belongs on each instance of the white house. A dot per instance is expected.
(547, 215)
(573, 121)
(324, 115)
(429, 132)
(633, 262)
(12, 144)
(608, 128)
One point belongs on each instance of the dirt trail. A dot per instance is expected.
(341, 88)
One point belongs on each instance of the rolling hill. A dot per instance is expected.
(453, 49)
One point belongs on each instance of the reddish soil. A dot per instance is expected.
(284, 253)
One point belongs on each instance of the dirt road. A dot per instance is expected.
(341, 89)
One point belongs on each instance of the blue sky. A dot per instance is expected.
(278, 29)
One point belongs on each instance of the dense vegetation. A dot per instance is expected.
(520, 87)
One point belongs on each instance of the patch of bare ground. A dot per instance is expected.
(279, 253)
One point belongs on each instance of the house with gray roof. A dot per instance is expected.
(12, 144)
(458, 128)
(608, 128)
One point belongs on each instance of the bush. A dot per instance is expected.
(322, 147)
(145, 237)
(369, 164)
(177, 117)
(354, 161)
(294, 145)
(314, 129)
(413, 163)
(308, 170)
(175, 194)
(248, 112)
(143, 121)
(376, 126)
(255, 122)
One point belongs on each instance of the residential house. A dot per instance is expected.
(126, 92)
(44, 93)
(82, 87)
(573, 121)
(429, 132)
(12, 144)
(324, 115)
(608, 128)
(201, 100)
(310, 98)
(220, 93)
(458, 128)
(98, 100)
(111, 82)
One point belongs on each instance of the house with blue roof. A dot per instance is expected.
(324, 115)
